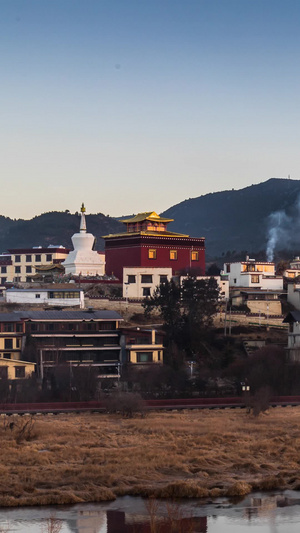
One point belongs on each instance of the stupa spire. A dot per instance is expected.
(82, 221)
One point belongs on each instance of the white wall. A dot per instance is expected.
(293, 295)
(136, 289)
(266, 280)
(39, 297)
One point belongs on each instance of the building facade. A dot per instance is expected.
(293, 348)
(142, 347)
(294, 270)
(141, 282)
(254, 274)
(148, 244)
(19, 264)
(50, 297)
(63, 338)
(12, 342)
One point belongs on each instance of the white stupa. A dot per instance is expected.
(83, 260)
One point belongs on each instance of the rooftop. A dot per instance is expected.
(149, 215)
(53, 314)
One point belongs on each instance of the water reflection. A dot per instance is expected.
(273, 513)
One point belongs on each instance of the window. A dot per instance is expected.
(50, 327)
(17, 259)
(28, 258)
(19, 328)
(144, 357)
(255, 279)
(163, 278)
(8, 326)
(3, 270)
(152, 254)
(3, 280)
(8, 344)
(18, 343)
(20, 371)
(131, 278)
(17, 279)
(37, 295)
(146, 278)
(38, 258)
(228, 267)
(173, 255)
(63, 294)
(33, 327)
(18, 270)
(194, 256)
(3, 372)
(7, 355)
(146, 291)
(234, 281)
(48, 257)
(28, 270)
(28, 279)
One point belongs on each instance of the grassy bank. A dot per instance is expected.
(74, 458)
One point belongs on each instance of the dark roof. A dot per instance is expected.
(293, 316)
(52, 314)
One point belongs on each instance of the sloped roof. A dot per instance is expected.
(293, 316)
(53, 314)
(149, 215)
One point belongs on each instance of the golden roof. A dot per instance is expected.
(48, 268)
(147, 233)
(149, 215)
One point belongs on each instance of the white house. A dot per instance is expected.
(139, 282)
(293, 295)
(252, 274)
(57, 297)
(294, 270)
(293, 319)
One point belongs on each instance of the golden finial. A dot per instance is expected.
(82, 208)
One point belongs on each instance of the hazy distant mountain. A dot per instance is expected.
(53, 228)
(239, 219)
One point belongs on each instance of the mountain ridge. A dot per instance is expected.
(230, 220)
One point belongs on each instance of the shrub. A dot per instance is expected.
(126, 403)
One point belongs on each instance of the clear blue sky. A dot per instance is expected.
(136, 105)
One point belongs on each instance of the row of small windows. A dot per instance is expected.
(28, 258)
(62, 294)
(147, 278)
(152, 254)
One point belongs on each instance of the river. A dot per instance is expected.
(277, 512)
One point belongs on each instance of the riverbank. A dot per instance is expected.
(68, 459)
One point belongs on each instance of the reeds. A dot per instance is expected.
(192, 454)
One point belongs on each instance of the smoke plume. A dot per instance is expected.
(279, 232)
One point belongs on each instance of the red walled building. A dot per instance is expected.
(147, 243)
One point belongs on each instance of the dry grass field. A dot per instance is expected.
(93, 457)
